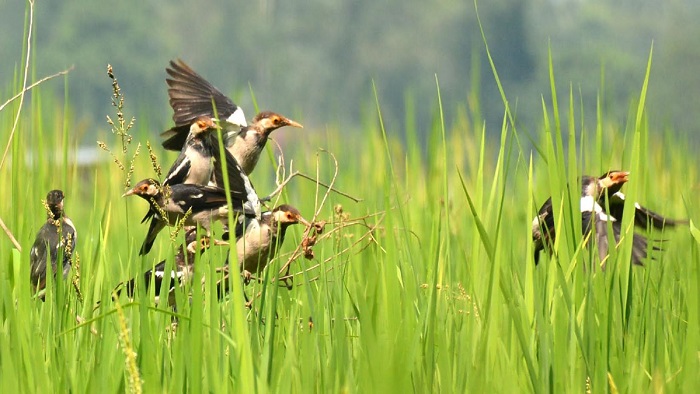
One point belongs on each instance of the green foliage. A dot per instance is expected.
(437, 291)
(446, 299)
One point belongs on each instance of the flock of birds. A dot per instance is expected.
(193, 192)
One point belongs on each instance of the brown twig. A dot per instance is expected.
(355, 199)
(282, 180)
(10, 236)
(307, 232)
(295, 255)
(315, 232)
(35, 84)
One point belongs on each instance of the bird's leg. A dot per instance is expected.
(247, 275)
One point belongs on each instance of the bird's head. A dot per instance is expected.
(287, 214)
(54, 201)
(203, 124)
(268, 122)
(146, 188)
(612, 181)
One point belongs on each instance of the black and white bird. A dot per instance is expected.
(197, 204)
(56, 236)
(181, 272)
(601, 207)
(195, 164)
(259, 240)
(191, 97)
(200, 164)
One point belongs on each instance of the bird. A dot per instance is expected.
(195, 164)
(181, 272)
(196, 204)
(200, 164)
(191, 97)
(259, 240)
(601, 203)
(247, 145)
(58, 234)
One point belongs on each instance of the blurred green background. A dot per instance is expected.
(316, 59)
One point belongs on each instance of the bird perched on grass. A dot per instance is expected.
(57, 235)
(601, 204)
(191, 97)
(258, 240)
(181, 272)
(192, 204)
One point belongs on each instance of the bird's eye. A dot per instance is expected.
(290, 216)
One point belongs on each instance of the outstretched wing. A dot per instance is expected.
(593, 217)
(643, 217)
(191, 96)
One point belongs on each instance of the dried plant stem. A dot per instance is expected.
(354, 222)
(9, 235)
(24, 81)
(307, 233)
(312, 179)
(35, 84)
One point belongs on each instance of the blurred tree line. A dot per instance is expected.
(316, 60)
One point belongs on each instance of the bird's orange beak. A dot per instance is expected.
(294, 124)
(304, 221)
(619, 176)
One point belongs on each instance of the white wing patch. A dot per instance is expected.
(621, 196)
(237, 118)
(173, 274)
(69, 222)
(589, 204)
